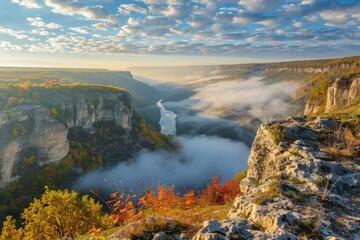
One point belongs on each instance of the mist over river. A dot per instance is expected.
(199, 158)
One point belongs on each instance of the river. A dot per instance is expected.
(167, 120)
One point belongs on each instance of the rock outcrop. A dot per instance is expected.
(296, 188)
(342, 92)
(40, 131)
(83, 111)
(29, 129)
(329, 68)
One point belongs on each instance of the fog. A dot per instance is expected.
(252, 96)
(199, 158)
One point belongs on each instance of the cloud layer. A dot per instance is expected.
(199, 159)
(284, 28)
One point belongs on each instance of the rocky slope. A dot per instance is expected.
(303, 182)
(37, 121)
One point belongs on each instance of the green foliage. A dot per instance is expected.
(277, 132)
(53, 113)
(155, 138)
(19, 130)
(242, 175)
(272, 192)
(60, 213)
(13, 101)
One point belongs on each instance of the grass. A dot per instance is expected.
(277, 132)
(293, 193)
(296, 180)
(296, 154)
(344, 141)
(268, 196)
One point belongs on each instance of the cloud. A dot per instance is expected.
(38, 22)
(40, 32)
(27, 3)
(14, 33)
(100, 26)
(199, 159)
(81, 30)
(258, 5)
(72, 8)
(252, 96)
(126, 9)
(8, 46)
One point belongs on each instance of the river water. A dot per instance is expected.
(167, 120)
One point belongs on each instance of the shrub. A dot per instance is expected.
(277, 132)
(60, 214)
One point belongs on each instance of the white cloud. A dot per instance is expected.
(14, 33)
(8, 46)
(72, 8)
(258, 5)
(100, 26)
(27, 3)
(38, 22)
(126, 9)
(334, 17)
(40, 32)
(81, 30)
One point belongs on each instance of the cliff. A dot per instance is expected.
(35, 120)
(341, 93)
(302, 183)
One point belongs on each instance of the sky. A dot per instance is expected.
(117, 34)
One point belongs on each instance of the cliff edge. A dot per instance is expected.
(303, 182)
(35, 120)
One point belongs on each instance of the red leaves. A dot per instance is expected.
(165, 198)
(217, 194)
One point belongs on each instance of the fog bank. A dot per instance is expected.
(199, 159)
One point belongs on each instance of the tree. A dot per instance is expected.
(60, 214)
(9, 230)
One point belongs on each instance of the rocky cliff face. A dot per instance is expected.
(329, 68)
(296, 189)
(83, 111)
(35, 131)
(29, 128)
(342, 92)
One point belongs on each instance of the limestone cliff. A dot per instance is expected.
(341, 93)
(38, 126)
(28, 128)
(297, 186)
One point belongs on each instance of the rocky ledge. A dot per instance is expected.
(303, 182)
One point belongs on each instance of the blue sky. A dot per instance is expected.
(117, 34)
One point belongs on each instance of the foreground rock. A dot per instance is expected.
(303, 182)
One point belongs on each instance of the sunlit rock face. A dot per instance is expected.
(30, 130)
(108, 106)
(26, 130)
(294, 182)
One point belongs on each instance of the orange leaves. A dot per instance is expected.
(217, 194)
(165, 201)
(160, 201)
(123, 209)
(190, 199)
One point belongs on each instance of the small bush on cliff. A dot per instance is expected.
(277, 132)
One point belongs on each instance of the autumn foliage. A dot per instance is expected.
(166, 202)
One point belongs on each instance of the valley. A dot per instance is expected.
(85, 129)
